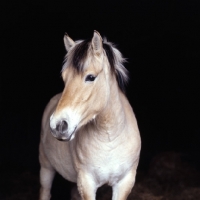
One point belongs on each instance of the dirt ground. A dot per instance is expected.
(167, 178)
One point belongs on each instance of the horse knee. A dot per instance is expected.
(46, 179)
(123, 188)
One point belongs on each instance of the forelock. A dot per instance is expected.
(78, 55)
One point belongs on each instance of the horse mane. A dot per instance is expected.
(78, 54)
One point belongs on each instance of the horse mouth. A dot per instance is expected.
(64, 139)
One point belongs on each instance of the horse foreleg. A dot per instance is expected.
(86, 186)
(75, 194)
(46, 179)
(122, 189)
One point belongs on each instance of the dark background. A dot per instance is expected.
(160, 40)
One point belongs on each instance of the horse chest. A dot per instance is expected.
(111, 169)
(107, 165)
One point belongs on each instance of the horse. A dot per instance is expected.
(89, 133)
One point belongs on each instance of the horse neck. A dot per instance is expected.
(112, 119)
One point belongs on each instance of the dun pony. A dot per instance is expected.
(89, 132)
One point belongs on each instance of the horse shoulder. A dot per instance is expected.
(52, 151)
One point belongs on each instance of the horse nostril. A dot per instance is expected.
(62, 127)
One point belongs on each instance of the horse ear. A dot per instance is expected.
(69, 43)
(97, 44)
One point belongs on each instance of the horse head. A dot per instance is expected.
(90, 69)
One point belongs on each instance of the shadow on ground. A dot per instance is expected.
(169, 177)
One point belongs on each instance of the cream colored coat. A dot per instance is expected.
(104, 141)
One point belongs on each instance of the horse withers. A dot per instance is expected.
(95, 119)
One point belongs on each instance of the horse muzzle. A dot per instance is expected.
(61, 131)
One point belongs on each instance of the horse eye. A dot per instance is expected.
(90, 78)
